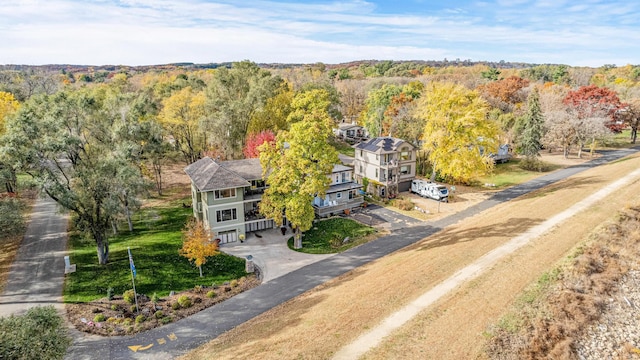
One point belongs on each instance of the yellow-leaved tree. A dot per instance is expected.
(297, 165)
(197, 243)
(8, 106)
(458, 135)
(181, 115)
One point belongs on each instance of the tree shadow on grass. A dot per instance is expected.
(509, 229)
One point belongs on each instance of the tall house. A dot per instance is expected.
(389, 164)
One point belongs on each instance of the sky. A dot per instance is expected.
(147, 32)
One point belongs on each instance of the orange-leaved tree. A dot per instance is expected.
(197, 243)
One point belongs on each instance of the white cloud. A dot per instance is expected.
(160, 31)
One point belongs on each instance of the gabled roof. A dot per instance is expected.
(382, 144)
(349, 126)
(208, 175)
(249, 169)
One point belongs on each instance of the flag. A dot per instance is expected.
(131, 265)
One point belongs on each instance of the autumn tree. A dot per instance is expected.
(8, 106)
(197, 243)
(273, 116)
(297, 164)
(456, 129)
(181, 115)
(505, 94)
(254, 141)
(630, 114)
(233, 98)
(560, 130)
(593, 101)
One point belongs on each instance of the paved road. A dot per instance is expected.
(36, 276)
(178, 338)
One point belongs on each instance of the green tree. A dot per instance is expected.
(273, 116)
(38, 334)
(70, 146)
(378, 100)
(532, 127)
(233, 97)
(8, 106)
(456, 130)
(298, 164)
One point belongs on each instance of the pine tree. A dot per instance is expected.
(532, 127)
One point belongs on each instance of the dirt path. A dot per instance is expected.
(319, 323)
(36, 276)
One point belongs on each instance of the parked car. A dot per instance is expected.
(430, 190)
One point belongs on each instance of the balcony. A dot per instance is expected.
(328, 210)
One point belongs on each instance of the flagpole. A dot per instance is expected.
(133, 281)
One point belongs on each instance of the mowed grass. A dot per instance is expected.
(510, 173)
(326, 236)
(154, 244)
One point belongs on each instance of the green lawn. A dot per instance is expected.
(326, 236)
(343, 147)
(154, 246)
(510, 173)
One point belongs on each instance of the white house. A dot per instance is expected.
(389, 164)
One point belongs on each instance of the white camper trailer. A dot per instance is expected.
(430, 190)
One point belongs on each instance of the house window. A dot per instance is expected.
(339, 195)
(344, 177)
(376, 173)
(360, 168)
(405, 170)
(226, 193)
(361, 154)
(382, 191)
(337, 178)
(226, 215)
(405, 155)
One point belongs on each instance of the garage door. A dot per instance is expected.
(228, 236)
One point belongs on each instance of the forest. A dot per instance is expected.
(96, 139)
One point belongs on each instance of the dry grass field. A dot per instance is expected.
(323, 320)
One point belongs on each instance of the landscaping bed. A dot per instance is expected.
(334, 235)
(118, 316)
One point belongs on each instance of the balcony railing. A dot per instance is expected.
(327, 210)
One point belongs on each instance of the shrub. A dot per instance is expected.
(129, 296)
(99, 318)
(140, 319)
(127, 322)
(133, 308)
(111, 320)
(175, 306)
(166, 320)
(534, 164)
(155, 298)
(234, 283)
(197, 289)
(39, 325)
(110, 293)
(158, 314)
(211, 294)
(403, 204)
(114, 307)
(184, 301)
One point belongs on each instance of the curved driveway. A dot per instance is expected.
(178, 338)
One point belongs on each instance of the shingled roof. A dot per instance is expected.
(208, 175)
(249, 169)
(382, 144)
